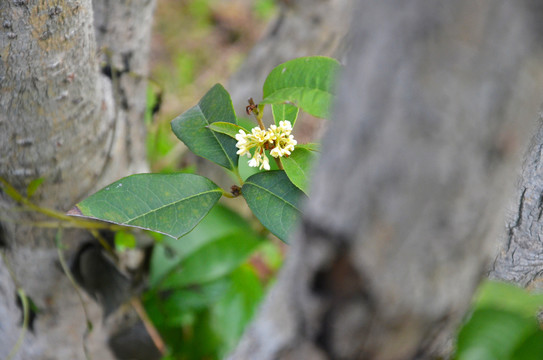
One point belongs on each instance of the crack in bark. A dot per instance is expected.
(518, 221)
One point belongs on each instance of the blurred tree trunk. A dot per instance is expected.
(434, 105)
(72, 97)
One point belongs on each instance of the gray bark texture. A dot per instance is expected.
(520, 259)
(72, 96)
(434, 106)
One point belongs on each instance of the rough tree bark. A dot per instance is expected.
(434, 105)
(520, 260)
(71, 108)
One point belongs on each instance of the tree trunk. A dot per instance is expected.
(65, 120)
(520, 260)
(434, 105)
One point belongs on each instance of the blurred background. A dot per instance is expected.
(195, 44)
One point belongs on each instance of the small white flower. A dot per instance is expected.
(253, 162)
(278, 138)
(241, 137)
(276, 152)
(285, 126)
(265, 163)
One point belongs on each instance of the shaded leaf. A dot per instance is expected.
(226, 128)
(494, 334)
(298, 167)
(531, 348)
(195, 297)
(284, 112)
(306, 82)
(274, 200)
(170, 253)
(236, 308)
(191, 127)
(172, 204)
(213, 260)
(503, 325)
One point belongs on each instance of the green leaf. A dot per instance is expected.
(170, 253)
(235, 309)
(124, 240)
(226, 128)
(34, 186)
(172, 204)
(271, 254)
(503, 325)
(284, 112)
(274, 201)
(494, 334)
(195, 297)
(298, 167)
(213, 260)
(500, 295)
(531, 348)
(306, 82)
(191, 127)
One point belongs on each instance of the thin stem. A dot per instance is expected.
(260, 122)
(24, 300)
(279, 164)
(257, 111)
(151, 329)
(77, 224)
(238, 175)
(10, 270)
(74, 221)
(26, 313)
(259, 114)
(66, 269)
(227, 194)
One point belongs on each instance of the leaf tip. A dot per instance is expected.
(75, 211)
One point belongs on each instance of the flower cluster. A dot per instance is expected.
(277, 139)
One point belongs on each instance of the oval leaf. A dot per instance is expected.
(169, 253)
(191, 127)
(306, 82)
(274, 201)
(494, 334)
(197, 297)
(235, 309)
(213, 260)
(172, 204)
(298, 167)
(226, 128)
(284, 112)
